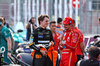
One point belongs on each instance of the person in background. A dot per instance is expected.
(5, 23)
(56, 35)
(5, 40)
(12, 39)
(94, 53)
(59, 29)
(28, 27)
(97, 35)
(81, 46)
(69, 42)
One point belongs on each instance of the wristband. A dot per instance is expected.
(9, 51)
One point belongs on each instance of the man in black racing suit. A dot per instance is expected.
(42, 36)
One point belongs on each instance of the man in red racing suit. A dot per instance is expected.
(70, 39)
(81, 46)
(56, 35)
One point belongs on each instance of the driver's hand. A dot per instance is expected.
(44, 53)
(9, 54)
(60, 43)
(52, 43)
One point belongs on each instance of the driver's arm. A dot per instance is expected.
(27, 26)
(82, 46)
(32, 45)
(13, 42)
(51, 38)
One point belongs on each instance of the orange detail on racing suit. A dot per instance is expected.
(71, 39)
(32, 54)
(51, 54)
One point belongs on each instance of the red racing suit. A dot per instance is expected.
(78, 49)
(70, 40)
(57, 40)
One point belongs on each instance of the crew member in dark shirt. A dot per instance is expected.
(93, 58)
(28, 27)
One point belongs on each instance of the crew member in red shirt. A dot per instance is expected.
(80, 48)
(56, 35)
(70, 39)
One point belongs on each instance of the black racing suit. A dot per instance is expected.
(41, 36)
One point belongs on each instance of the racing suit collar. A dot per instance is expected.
(67, 30)
(41, 27)
(72, 28)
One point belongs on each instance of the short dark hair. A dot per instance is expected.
(94, 52)
(73, 21)
(41, 17)
(52, 22)
(59, 20)
(32, 17)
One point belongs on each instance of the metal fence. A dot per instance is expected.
(22, 10)
(91, 13)
(5, 9)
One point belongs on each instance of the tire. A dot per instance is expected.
(25, 57)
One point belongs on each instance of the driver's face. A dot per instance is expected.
(33, 21)
(66, 26)
(53, 26)
(45, 22)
